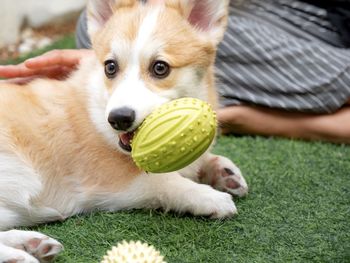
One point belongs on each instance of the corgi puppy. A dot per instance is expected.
(65, 145)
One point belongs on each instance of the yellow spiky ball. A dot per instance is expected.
(133, 252)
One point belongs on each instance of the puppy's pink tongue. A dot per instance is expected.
(126, 137)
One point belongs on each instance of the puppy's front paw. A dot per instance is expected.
(36, 244)
(43, 248)
(212, 203)
(223, 175)
(12, 255)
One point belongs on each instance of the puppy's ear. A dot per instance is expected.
(208, 16)
(100, 11)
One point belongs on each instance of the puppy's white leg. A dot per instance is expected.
(13, 255)
(173, 192)
(8, 218)
(36, 244)
(219, 172)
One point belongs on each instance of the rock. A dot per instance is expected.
(27, 46)
(24, 48)
(43, 42)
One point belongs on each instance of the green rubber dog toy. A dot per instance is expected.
(174, 135)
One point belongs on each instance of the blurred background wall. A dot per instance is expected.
(18, 14)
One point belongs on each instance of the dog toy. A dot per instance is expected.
(133, 252)
(174, 135)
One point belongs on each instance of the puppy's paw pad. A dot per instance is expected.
(231, 179)
(32, 244)
(35, 244)
(224, 175)
(227, 172)
(45, 249)
(232, 184)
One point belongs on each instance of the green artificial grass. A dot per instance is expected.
(298, 210)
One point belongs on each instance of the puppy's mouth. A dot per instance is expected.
(125, 139)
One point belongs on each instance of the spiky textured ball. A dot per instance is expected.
(174, 135)
(133, 252)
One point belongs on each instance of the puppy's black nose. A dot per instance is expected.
(121, 119)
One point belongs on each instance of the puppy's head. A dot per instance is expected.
(153, 51)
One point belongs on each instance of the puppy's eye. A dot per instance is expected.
(160, 69)
(111, 68)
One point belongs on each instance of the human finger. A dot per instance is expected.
(64, 57)
(54, 72)
(16, 71)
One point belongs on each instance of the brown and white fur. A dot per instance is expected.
(59, 155)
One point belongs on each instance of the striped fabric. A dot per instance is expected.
(266, 60)
(277, 53)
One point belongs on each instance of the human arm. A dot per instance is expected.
(56, 64)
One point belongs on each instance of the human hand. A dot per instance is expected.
(55, 64)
